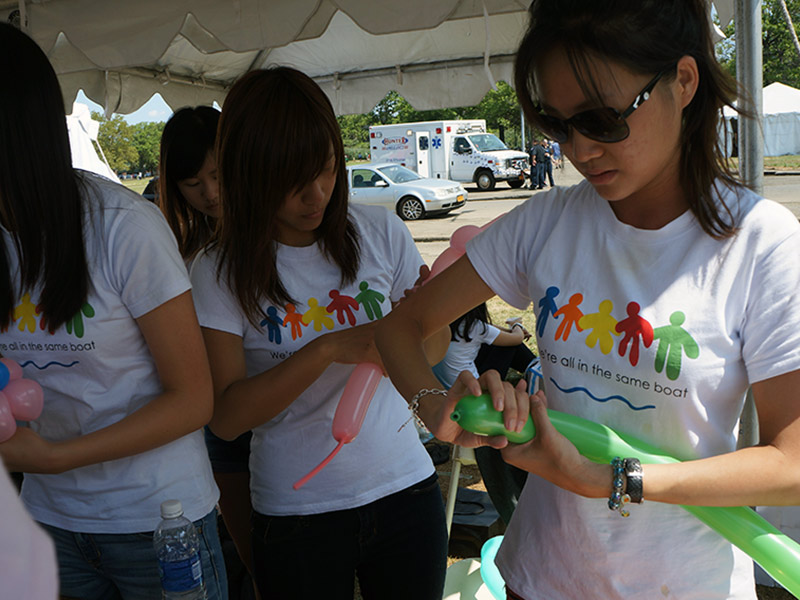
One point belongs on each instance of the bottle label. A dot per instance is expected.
(181, 575)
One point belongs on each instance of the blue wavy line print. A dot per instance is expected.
(596, 399)
(51, 363)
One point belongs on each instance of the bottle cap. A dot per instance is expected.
(171, 509)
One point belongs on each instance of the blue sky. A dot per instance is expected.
(154, 109)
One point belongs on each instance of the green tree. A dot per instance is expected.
(147, 141)
(116, 139)
(780, 58)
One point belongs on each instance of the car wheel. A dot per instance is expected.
(516, 184)
(410, 208)
(485, 181)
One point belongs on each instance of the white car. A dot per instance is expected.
(400, 189)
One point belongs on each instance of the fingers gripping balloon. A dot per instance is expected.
(350, 412)
(20, 399)
(777, 553)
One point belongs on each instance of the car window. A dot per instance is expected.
(487, 142)
(362, 178)
(461, 145)
(399, 174)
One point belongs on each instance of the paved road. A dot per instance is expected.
(432, 235)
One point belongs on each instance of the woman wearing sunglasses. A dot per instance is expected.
(662, 288)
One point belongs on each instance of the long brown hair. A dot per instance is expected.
(646, 36)
(275, 134)
(188, 137)
(40, 194)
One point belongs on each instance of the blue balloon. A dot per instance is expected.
(489, 573)
(5, 375)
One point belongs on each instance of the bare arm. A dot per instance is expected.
(400, 339)
(243, 402)
(173, 337)
(766, 474)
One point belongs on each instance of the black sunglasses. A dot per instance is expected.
(603, 124)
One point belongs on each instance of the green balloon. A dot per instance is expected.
(777, 553)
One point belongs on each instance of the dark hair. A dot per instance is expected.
(40, 198)
(275, 134)
(646, 36)
(459, 329)
(187, 139)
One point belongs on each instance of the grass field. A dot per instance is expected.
(137, 185)
(789, 162)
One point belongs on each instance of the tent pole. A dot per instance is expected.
(749, 62)
(23, 16)
(749, 74)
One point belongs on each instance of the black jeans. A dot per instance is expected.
(397, 546)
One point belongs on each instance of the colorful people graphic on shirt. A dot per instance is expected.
(274, 324)
(634, 327)
(673, 342)
(371, 301)
(572, 314)
(294, 319)
(26, 313)
(317, 315)
(548, 307)
(342, 305)
(76, 323)
(602, 325)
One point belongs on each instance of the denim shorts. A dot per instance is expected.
(103, 566)
(397, 546)
(228, 457)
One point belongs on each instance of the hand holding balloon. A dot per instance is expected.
(20, 399)
(350, 412)
(777, 554)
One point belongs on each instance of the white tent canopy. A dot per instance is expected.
(436, 54)
(781, 119)
(442, 53)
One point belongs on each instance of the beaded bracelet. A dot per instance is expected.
(413, 406)
(618, 498)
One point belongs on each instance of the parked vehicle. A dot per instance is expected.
(459, 150)
(400, 189)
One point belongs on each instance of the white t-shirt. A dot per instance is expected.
(461, 353)
(97, 369)
(657, 334)
(27, 558)
(381, 460)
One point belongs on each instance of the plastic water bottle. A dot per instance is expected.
(178, 551)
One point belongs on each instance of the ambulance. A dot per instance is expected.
(459, 150)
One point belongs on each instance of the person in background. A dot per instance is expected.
(663, 290)
(95, 304)
(548, 163)
(539, 154)
(189, 199)
(288, 296)
(469, 333)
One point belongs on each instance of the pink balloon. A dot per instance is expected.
(356, 397)
(460, 237)
(445, 259)
(26, 399)
(8, 425)
(350, 412)
(13, 368)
